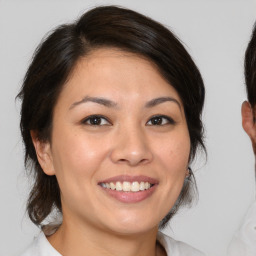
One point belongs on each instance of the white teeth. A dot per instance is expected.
(142, 186)
(112, 186)
(135, 186)
(119, 186)
(127, 186)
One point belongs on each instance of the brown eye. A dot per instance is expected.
(157, 121)
(96, 121)
(160, 120)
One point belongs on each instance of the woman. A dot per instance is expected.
(111, 120)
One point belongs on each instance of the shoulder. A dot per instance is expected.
(177, 248)
(244, 240)
(33, 248)
(40, 247)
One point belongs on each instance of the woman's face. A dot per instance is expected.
(120, 144)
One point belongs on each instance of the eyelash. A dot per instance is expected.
(158, 119)
(88, 120)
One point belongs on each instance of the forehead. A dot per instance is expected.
(114, 73)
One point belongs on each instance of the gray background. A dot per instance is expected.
(215, 34)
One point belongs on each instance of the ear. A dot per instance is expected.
(247, 119)
(44, 154)
(248, 122)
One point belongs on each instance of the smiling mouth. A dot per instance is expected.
(126, 186)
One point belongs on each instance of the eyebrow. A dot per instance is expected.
(101, 101)
(160, 100)
(111, 104)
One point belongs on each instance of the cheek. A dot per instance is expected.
(77, 158)
(174, 153)
(173, 158)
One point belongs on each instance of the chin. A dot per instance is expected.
(132, 225)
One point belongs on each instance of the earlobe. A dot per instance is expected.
(44, 155)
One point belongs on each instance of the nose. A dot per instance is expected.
(131, 147)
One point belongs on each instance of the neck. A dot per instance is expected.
(75, 239)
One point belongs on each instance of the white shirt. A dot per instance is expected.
(244, 240)
(42, 247)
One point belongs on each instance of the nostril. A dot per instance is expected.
(131, 154)
(133, 161)
(144, 161)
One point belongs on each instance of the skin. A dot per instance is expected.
(248, 123)
(125, 143)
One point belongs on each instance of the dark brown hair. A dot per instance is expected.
(53, 62)
(250, 68)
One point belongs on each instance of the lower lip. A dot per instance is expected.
(130, 197)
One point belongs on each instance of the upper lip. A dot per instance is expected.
(129, 178)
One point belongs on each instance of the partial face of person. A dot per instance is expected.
(120, 144)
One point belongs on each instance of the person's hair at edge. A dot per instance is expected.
(250, 68)
(56, 57)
